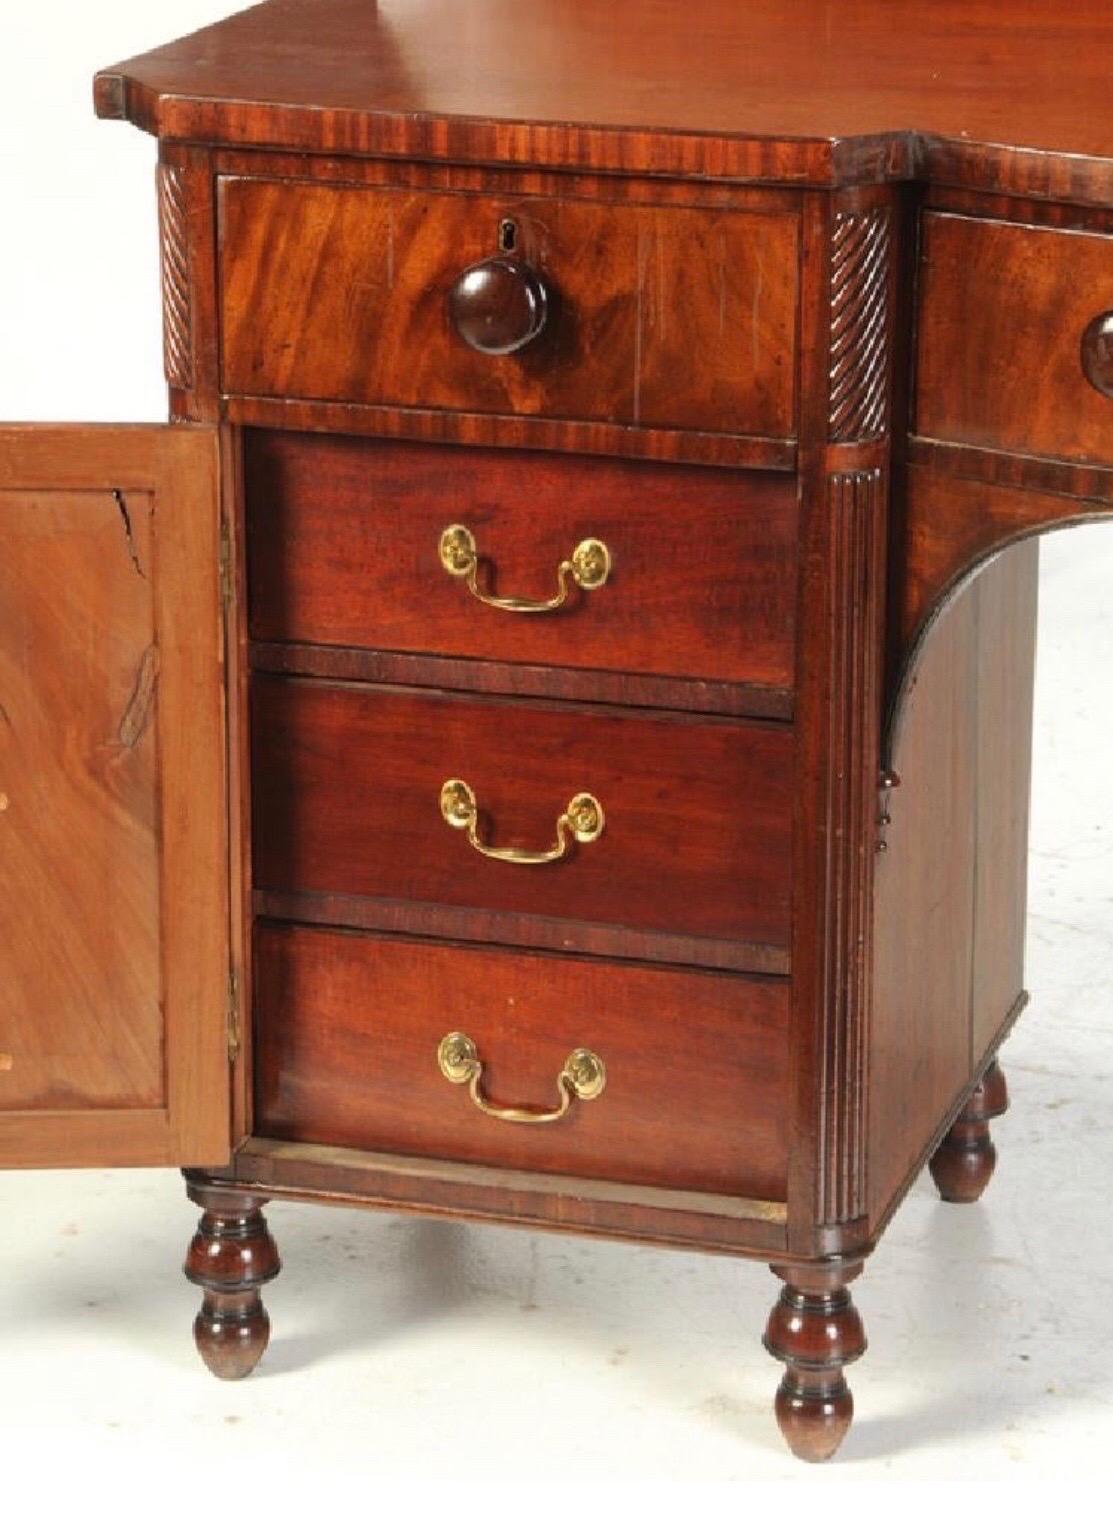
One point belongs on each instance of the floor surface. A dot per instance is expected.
(407, 1348)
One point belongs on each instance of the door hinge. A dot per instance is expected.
(227, 580)
(233, 1015)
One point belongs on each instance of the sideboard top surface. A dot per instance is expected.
(796, 91)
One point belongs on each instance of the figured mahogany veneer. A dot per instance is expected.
(342, 294)
(113, 939)
(343, 538)
(777, 90)
(696, 1090)
(1001, 361)
(697, 840)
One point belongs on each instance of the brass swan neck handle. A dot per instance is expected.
(588, 568)
(582, 821)
(583, 1077)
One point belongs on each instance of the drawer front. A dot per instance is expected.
(657, 316)
(347, 783)
(1004, 313)
(344, 537)
(347, 1028)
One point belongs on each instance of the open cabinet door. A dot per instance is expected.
(113, 835)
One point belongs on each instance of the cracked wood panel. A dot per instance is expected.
(113, 898)
(79, 909)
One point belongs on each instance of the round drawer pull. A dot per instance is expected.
(583, 1076)
(1097, 353)
(499, 305)
(582, 821)
(589, 567)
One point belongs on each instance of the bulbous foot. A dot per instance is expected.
(815, 1330)
(963, 1163)
(230, 1258)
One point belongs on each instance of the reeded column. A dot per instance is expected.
(230, 1258)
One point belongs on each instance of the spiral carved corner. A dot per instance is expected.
(861, 339)
(177, 314)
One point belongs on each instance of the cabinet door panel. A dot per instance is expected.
(113, 840)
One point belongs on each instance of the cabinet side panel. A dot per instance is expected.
(1007, 594)
(924, 906)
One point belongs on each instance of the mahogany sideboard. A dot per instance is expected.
(543, 735)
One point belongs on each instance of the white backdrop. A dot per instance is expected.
(407, 1345)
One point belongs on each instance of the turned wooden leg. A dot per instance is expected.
(815, 1330)
(963, 1163)
(231, 1257)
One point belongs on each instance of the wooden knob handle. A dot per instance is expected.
(499, 305)
(1097, 353)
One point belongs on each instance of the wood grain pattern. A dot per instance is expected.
(114, 944)
(696, 1093)
(924, 910)
(82, 980)
(432, 425)
(952, 527)
(503, 179)
(484, 430)
(343, 663)
(665, 317)
(861, 324)
(1006, 601)
(1005, 309)
(511, 1197)
(950, 894)
(698, 811)
(772, 90)
(1030, 473)
(343, 538)
(1025, 211)
(177, 315)
(509, 927)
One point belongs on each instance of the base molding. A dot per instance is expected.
(590, 1207)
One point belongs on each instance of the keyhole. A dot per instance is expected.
(508, 235)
